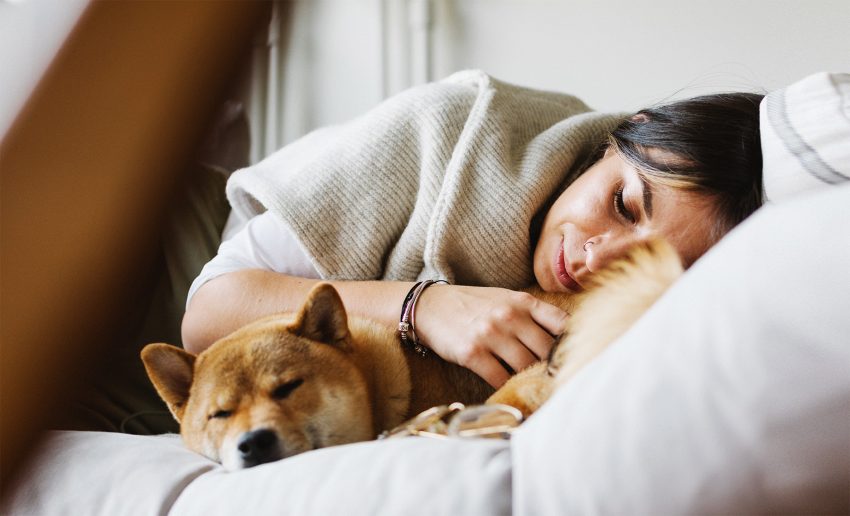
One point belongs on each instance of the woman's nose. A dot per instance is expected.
(602, 250)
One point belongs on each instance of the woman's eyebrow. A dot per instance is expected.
(646, 191)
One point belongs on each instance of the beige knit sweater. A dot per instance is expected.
(440, 181)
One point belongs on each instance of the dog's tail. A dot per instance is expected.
(620, 294)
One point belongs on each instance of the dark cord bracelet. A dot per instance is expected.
(407, 320)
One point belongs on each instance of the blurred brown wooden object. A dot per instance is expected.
(87, 170)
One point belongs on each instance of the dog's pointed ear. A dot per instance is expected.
(322, 317)
(171, 370)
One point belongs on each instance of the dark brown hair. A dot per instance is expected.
(708, 144)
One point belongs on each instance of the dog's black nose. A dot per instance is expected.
(258, 447)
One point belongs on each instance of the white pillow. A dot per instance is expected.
(732, 394)
(805, 134)
(102, 473)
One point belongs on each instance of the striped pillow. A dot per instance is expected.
(805, 135)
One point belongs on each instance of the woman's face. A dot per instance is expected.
(607, 210)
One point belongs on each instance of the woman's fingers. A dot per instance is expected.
(485, 329)
(549, 317)
(488, 367)
(514, 353)
(531, 324)
(537, 340)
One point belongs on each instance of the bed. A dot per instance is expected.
(731, 395)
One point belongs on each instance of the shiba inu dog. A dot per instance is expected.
(290, 383)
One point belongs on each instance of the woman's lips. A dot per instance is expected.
(561, 271)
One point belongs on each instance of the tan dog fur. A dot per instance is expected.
(318, 378)
(356, 382)
(620, 294)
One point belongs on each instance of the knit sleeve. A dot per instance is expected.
(442, 180)
(349, 191)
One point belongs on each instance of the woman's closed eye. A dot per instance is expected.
(620, 205)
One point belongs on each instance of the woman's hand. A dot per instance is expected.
(477, 327)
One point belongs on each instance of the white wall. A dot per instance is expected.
(614, 54)
(341, 57)
(626, 54)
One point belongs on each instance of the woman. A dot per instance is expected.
(688, 171)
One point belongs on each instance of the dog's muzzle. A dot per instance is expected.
(258, 447)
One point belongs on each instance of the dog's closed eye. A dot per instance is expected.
(284, 390)
(221, 414)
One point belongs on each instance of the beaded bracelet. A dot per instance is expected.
(407, 320)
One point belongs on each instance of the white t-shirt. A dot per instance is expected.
(264, 242)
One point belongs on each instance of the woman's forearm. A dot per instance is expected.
(232, 300)
(481, 328)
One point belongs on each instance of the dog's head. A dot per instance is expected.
(272, 389)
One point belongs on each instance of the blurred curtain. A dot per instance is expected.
(88, 169)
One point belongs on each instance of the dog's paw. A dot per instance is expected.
(526, 390)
